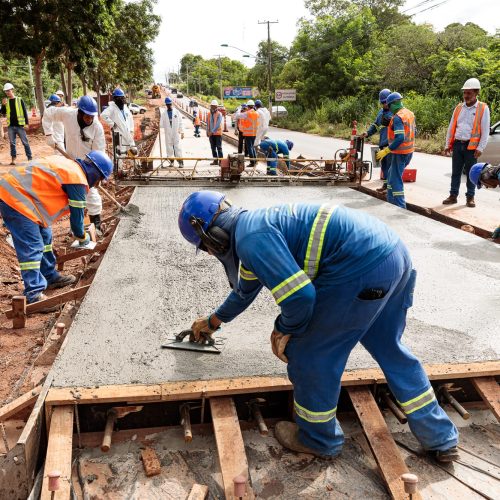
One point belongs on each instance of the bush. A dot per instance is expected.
(431, 113)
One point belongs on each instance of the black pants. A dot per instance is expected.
(462, 161)
(216, 145)
(249, 145)
(241, 144)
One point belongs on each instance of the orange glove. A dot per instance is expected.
(278, 343)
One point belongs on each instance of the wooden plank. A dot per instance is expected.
(27, 399)
(198, 492)
(18, 311)
(150, 462)
(230, 446)
(489, 390)
(383, 447)
(55, 300)
(59, 452)
(101, 247)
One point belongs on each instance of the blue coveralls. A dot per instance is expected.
(33, 242)
(319, 262)
(384, 115)
(271, 148)
(395, 185)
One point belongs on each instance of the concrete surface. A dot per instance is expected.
(152, 285)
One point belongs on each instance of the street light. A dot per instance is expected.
(237, 48)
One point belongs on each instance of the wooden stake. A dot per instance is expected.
(19, 403)
(489, 390)
(186, 422)
(18, 311)
(198, 492)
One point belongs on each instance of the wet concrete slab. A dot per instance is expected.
(151, 285)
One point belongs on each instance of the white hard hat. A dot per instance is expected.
(251, 103)
(8, 86)
(472, 84)
(60, 92)
(214, 103)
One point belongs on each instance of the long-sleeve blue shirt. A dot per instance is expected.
(77, 195)
(273, 147)
(276, 250)
(384, 115)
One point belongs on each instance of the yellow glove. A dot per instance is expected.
(132, 152)
(278, 343)
(382, 153)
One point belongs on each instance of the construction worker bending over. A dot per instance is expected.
(83, 133)
(272, 148)
(171, 122)
(57, 126)
(248, 123)
(196, 123)
(32, 198)
(340, 277)
(120, 119)
(401, 136)
(214, 131)
(484, 174)
(264, 119)
(380, 124)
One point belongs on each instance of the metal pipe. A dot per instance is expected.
(396, 410)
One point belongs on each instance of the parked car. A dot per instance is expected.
(279, 112)
(135, 108)
(193, 104)
(173, 90)
(179, 95)
(491, 153)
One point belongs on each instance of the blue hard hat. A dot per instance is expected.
(168, 100)
(393, 97)
(100, 161)
(383, 95)
(244, 106)
(54, 98)
(289, 144)
(203, 205)
(258, 102)
(87, 105)
(118, 93)
(475, 174)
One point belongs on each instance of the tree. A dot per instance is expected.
(258, 75)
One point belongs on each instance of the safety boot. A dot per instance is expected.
(445, 456)
(181, 164)
(452, 199)
(96, 220)
(13, 160)
(47, 309)
(287, 434)
(470, 202)
(62, 281)
(382, 189)
(215, 162)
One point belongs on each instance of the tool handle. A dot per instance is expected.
(108, 431)
(61, 150)
(111, 197)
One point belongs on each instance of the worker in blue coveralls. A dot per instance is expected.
(380, 124)
(401, 136)
(484, 174)
(340, 277)
(272, 148)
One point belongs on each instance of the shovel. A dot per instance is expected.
(130, 209)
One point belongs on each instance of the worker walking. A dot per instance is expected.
(401, 145)
(120, 119)
(248, 122)
(380, 125)
(15, 110)
(272, 148)
(340, 277)
(466, 139)
(82, 133)
(171, 122)
(32, 198)
(196, 123)
(57, 126)
(214, 131)
(264, 119)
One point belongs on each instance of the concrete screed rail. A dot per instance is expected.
(151, 285)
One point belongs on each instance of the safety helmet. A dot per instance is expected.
(383, 95)
(244, 105)
(87, 105)
(60, 93)
(475, 174)
(118, 93)
(250, 103)
(100, 161)
(214, 102)
(168, 100)
(258, 103)
(54, 98)
(201, 206)
(393, 97)
(8, 86)
(289, 144)
(470, 84)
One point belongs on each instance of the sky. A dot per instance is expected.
(200, 27)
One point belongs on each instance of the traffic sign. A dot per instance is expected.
(285, 95)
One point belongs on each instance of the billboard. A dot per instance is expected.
(240, 92)
(285, 95)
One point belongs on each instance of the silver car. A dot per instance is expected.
(491, 153)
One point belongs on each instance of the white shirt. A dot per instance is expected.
(465, 123)
(75, 146)
(57, 127)
(265, 117)
(121, 121)
(172, 130)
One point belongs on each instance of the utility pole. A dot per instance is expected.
(269, 62)
(220, 79)
(32, 84)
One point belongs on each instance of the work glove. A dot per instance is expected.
(278, 343)
(132, 152)
(382, 153)
(496, 234)
(477, 153)
(203, 325)
(50, 140)
(83, 242)
(182, 135)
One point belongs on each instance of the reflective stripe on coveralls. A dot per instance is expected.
(47, 248)
(246, 274)
(290, 286)
(420, 401)
(315, 417)
(25, 266)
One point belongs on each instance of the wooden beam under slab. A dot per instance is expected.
(230, 446)
(198, 492)
(383, 447)
(19, 403)
(59, 452)
(489, 390)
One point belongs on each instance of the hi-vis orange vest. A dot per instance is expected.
(408, 145)
(248, 125)
(216, 117)
(197, 120)
(476, 127)
(36, 189)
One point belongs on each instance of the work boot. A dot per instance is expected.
(13, 160)
(287, 434)
(445, 456)
(470, 202)
(382, 189)
(450, 200)
(61, 281)
(181, 164)
(96, 220)
(215, 162)
(45, 310)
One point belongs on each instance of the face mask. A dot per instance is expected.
(81, 122)
(395, 106)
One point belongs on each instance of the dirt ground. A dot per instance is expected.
(19, 347)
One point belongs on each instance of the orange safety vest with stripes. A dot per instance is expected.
(248, 126)
(35, 190)
(408, 145)
(216, 117)
(476, 127)
(197, 120)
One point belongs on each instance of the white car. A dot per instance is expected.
(279, 112)
(491, 153)
(135, 108)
